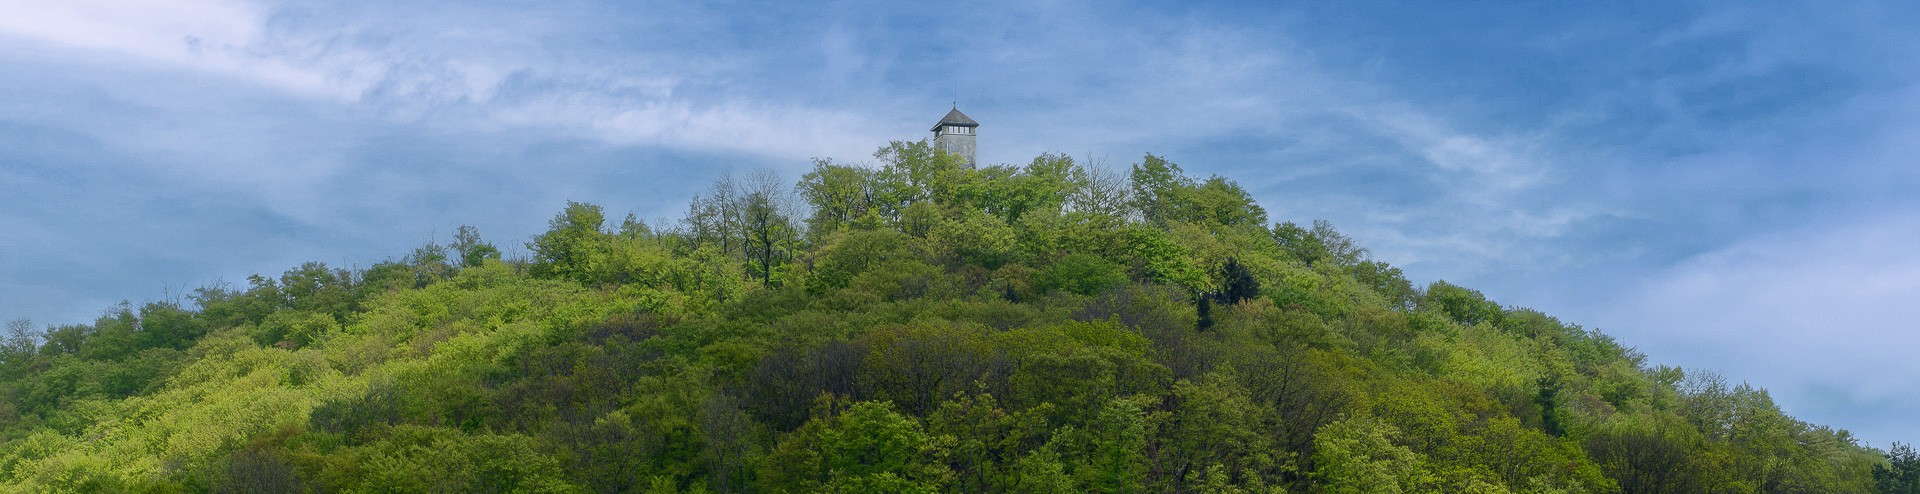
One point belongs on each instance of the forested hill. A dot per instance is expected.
(910, 327)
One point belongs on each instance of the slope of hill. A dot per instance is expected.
(915, 327)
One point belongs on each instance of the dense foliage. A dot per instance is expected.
(915, 326)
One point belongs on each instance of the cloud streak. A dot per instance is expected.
(1795, 311)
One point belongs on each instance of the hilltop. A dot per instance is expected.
(915, 326)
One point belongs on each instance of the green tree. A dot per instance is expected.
(1901, 473)
(420, 459)
(988, 446)
(572, 239)
(1221, 202)
(1651, 454)
(1098, 191)
(472, 250)
(1466, 306)
(1237, 283)
(1110, 454)
(1213, 424)
(1034, 325)
(19, 346)
(1040, 187)
(1157, 186)
(917, 367)
(869, 448)
(838, 195)
(1084, 274)
(768, 233)
(913, 172)
(1320, 244)
(1358, 455)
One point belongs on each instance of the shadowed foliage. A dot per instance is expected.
(913, 326)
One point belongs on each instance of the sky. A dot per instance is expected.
(1725, 186)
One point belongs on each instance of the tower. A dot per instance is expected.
(954, 135)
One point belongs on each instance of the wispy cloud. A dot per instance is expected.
(447, 74)
(1796, 311)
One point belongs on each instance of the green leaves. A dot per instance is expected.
(934, 328)
(473, 251)
(1358, 456)
(1466, 306)
(1080, 273)
(429, 459)
(572, 240)
(1162, 193)
(1901, 474)
(869, 448)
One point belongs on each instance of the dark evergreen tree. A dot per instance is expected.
(1238, 284)
(1901, 473)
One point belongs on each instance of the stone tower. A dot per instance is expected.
(954, 135)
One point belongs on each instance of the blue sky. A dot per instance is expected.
(1727, 186)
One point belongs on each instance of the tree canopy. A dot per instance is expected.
(911, 326)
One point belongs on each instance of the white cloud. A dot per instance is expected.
(169, 30)
(1102, 89)
(437, 73)
(1795, 311)
(224, 37)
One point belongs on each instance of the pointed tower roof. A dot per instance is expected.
(955, 118)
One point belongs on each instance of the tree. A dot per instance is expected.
(1464, 305)
(1320, 244)
(427, 264)
(1156, 185)
(1387, 281)
(472, 250)
(316, 287)
(912, 173)
(710, 220)
(1162, 194)
(1901, 473)
(838, 194)
(869, 448)
(257, 469)
(1237, 283)
(784, 384)
(572, 238)
(21, 338)
(1212, 422)
(919, 366)
(1357, 455)
(1098, 191)
(18, 346)
(1109, 455)
(1203, 312)
(1042, 186)
(731, 443)
(986, 439)
(750, 220)
(1084, 274)
(1221, 202)
(1650, 455)
(1002, 329)
(767, 228)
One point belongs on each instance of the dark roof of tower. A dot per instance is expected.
(955, 118)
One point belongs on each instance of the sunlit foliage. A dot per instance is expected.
(912, 326)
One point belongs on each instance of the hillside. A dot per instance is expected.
(911, 327)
